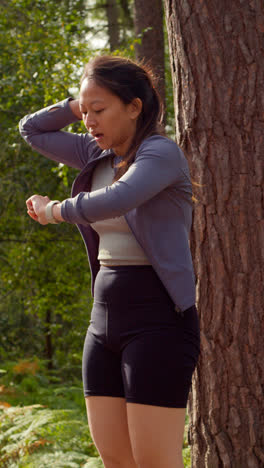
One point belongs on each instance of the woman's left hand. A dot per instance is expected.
(36, 208)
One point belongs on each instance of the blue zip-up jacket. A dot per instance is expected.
(154, 195)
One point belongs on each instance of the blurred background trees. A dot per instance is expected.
(42, 52)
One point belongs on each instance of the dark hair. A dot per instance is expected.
(129, 80)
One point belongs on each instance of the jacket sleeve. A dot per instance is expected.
(159, 164)
(42, 131)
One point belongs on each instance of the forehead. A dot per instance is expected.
(91, 93)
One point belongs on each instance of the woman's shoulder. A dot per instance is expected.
(160, 145)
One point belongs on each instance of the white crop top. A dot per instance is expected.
(117, 243)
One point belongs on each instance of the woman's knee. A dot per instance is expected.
(121, 459)
(115, 461)
(146, 459)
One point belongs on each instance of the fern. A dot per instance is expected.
(34, 436)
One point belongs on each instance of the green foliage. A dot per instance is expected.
(44, 274)
(28, 382)
(41, 433)
(34, 436)
(186, 455)
(186, 452)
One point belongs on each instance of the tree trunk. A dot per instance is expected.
(113, 25)
(149, 14)
(49, 347)
(217, 65)
(127, 15)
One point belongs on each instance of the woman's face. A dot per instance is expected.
(107, 118)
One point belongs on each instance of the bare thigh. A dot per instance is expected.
(156, 435)
(107, 419)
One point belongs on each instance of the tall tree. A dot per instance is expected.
(218, 73)
(113, 20)
(112, 14)
(148, 20)
(127, 17)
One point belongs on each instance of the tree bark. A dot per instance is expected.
(149, 14)
(113, 25)
(217, 68)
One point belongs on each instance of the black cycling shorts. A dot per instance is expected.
(137, 346)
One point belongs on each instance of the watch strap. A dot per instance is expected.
(48, 212)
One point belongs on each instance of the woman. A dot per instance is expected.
(132, 202)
